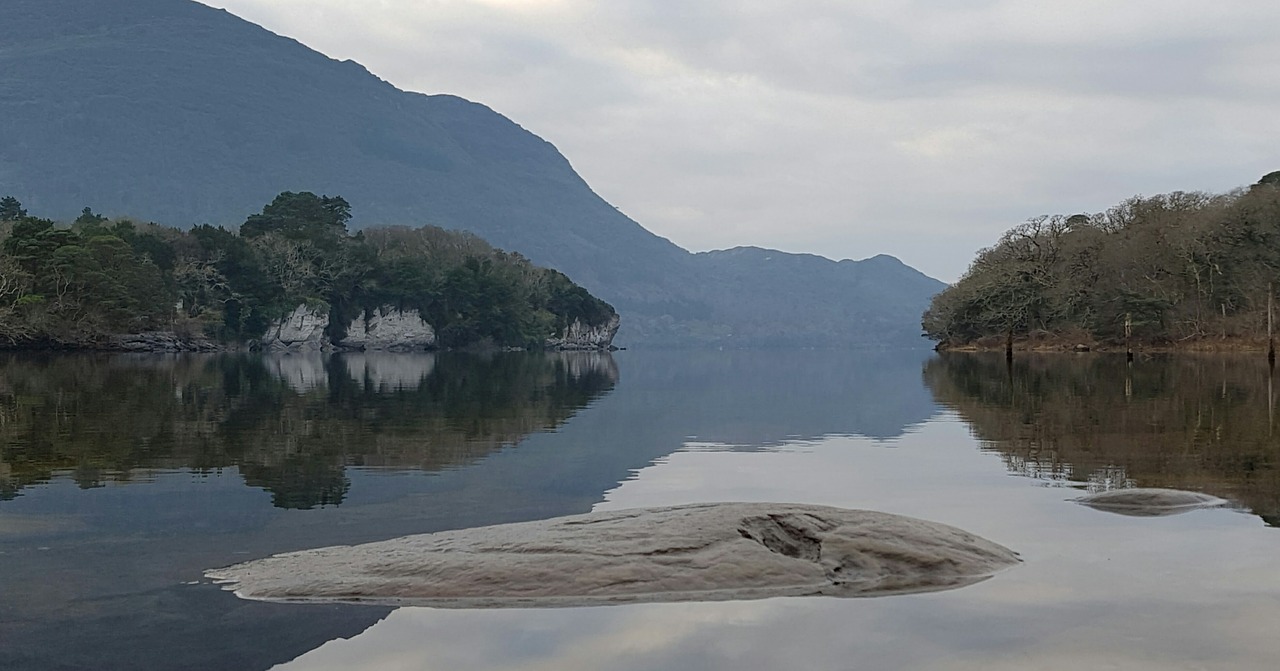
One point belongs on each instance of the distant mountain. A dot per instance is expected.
(807, 295)
(172, 111)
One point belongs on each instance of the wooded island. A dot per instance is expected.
(82, 284)
(1180, 270)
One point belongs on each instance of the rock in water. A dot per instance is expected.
(1150, 502)
(704, 552)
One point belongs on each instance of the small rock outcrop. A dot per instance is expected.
(302, 329)
(390, 330)
(703, 552)
(162, 341)
(578, 336)
(1150, 502)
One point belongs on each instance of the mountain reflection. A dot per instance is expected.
(1203, 423)
(763, 399)
(291, 424)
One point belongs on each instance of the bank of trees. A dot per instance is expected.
(1174, 267)
(78, 284)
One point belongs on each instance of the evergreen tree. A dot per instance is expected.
(11, 209)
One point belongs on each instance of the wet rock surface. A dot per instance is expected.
(1150, 502)
(703, 552)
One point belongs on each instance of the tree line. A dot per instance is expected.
(1165, 269)
(79, 284)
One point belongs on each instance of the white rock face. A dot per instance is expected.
(390, 329)
(579, 336)
(302, 329)
(1150, 502)
(704, 552)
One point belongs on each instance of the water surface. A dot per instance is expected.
(122, 478)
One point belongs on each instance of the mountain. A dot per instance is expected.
(172, 111)
(806, 295)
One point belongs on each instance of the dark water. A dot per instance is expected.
(123, 478)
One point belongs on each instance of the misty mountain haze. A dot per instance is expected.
(171, 111)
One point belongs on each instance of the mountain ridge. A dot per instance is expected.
(180, 113)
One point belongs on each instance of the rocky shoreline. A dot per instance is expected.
(306, 329)
(168, 342)
(1051, 344)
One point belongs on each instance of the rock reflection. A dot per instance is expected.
(302, 372)
(1149, 502)
(292, 424)
(385, 371)
(1203, 423)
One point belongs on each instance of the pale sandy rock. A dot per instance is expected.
(302, 329)
(1150, 502)
(580, 336)
(390, 329)
(704, 552)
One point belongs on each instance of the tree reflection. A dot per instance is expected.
(291, 424)
(1204, 423)
(300, 481)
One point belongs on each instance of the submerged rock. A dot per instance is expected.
(1150, 502)
(705, 552)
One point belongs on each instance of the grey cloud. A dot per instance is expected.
(836, 49)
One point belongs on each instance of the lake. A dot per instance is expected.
(124, 477)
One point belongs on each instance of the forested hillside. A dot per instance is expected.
(1178, 268)
(78, 285)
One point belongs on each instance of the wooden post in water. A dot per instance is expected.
(1128, 334)
(1008, 345)
(1271, 338)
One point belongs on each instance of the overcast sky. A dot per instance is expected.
(921, 129)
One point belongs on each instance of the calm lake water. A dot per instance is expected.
(122, 478)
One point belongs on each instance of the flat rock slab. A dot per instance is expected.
(1150, 502)
(704, 552)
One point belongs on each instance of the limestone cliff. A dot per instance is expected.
(389, 329)
(580, 336)
(302, 329)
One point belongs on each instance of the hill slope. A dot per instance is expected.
(172, 111)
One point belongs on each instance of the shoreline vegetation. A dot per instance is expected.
(291, 277)
(1179, 272)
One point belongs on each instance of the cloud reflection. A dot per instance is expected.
(1190, 592)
